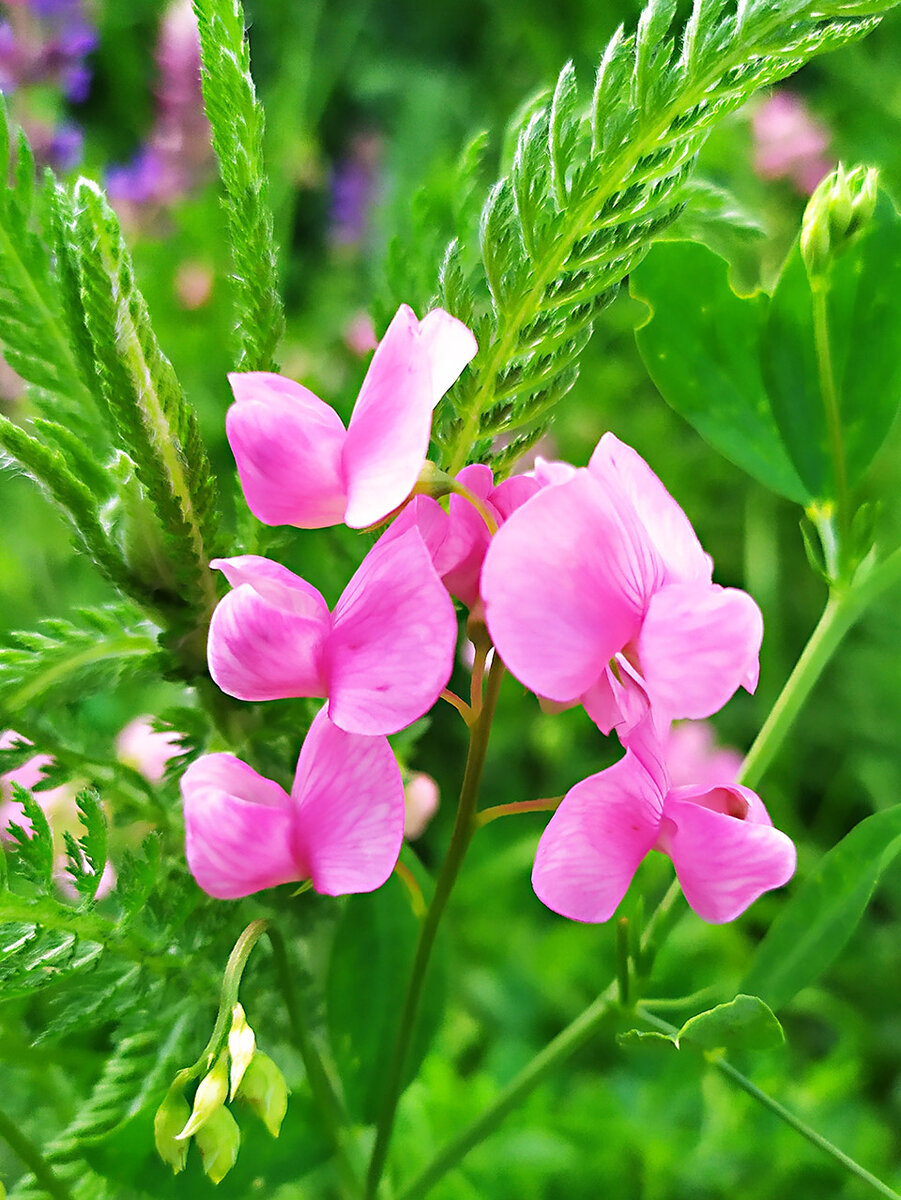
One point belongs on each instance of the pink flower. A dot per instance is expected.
(789, 143)
(382, 657)
(146, 749)
(300, 466)
(421, 799)
(341, 827)
(719, 837)
(458, 538)
(693, 757)
(597, 591)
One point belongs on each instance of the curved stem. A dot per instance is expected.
(842, 610)
(487, 815)
(27, 1151)
(545, 1061)
(829, 393)
(464, 827)
(816, 1139)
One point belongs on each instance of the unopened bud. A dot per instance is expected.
(265, 1090)
(209, 1097)
(840, 207)
(169, 1119)
(241, 1047)
(218, 1141)
(421, 798)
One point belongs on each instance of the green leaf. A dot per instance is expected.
(87, 856)
(153, 421)
(137, 875)
(368, 968)
(813, 928)
(644, 1040)
(745, 1023)
(236, 121)
(701, 345)
(34, 841)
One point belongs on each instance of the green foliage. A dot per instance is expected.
(745, 1023)
(34, 840)
(370, 959)
(154, 423)
(590, 187)
(54, 664)
(701, 345)
(87, 855)
(236, 120)
(814, 927)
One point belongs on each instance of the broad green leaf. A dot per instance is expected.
(745, 1023)
(864, 315)
(700, 344)
(368, 970)
(811, 931)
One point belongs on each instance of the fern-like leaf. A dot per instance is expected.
(592, 183)
(236, 120)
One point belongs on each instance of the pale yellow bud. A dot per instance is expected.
(209, 1097)
(218, 1141)
(265, 1090)
(241, 1047)
(170, 1118)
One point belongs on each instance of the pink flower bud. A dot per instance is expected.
(421, 799)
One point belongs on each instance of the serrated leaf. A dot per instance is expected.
(90, 850)
(819, 919)
(137, 875)
(34, 841)
(745, 1023)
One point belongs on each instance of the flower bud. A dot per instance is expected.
(169, 1119)
(218, 1141)
(209, 1097)
(421, 799)
(840, 207)
(241, 1047)
(265, 1090)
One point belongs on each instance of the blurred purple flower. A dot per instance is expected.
(353, 189)
(789, 143)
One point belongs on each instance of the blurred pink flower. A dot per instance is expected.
(719, 836)
(359, 335)
(382, 657)
(341, 827)
(421, 799)
(693, 757)
(298, 464)
(790, 143)
(146, 749)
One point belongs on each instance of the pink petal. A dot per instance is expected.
(287, 444)
(468, 535)
(388, 435)
(273, 583)
(697, 645)
(618, 700)
(257, 650)
(350, 808)
(448, 345)
(238, 828)
(595, 840)
(723, 862)
(667, 525)
(510, 495)
(564, 585)
(392, 649)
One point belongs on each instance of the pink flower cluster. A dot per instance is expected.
(594, 589)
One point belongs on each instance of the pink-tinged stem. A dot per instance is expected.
(487, 815)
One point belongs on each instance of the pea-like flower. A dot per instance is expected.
(382, 657)
(341, 827)
(299, 465)
(720, 839)
(597, 591)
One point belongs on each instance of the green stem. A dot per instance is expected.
(565, 1044)
(327, 1103)
(816, 1139)
(829, 393)
(487, 815)
(843, 608)
(464, 828)
(31, 1156)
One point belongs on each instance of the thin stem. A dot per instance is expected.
(829, 393)
(477, 679)
(816, 1139)
(545, 1061)
(843, 609)
(464, 827)
(459, 704)
(487, 815)
(25, 1149)
(623, 970)
(327, 1102)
